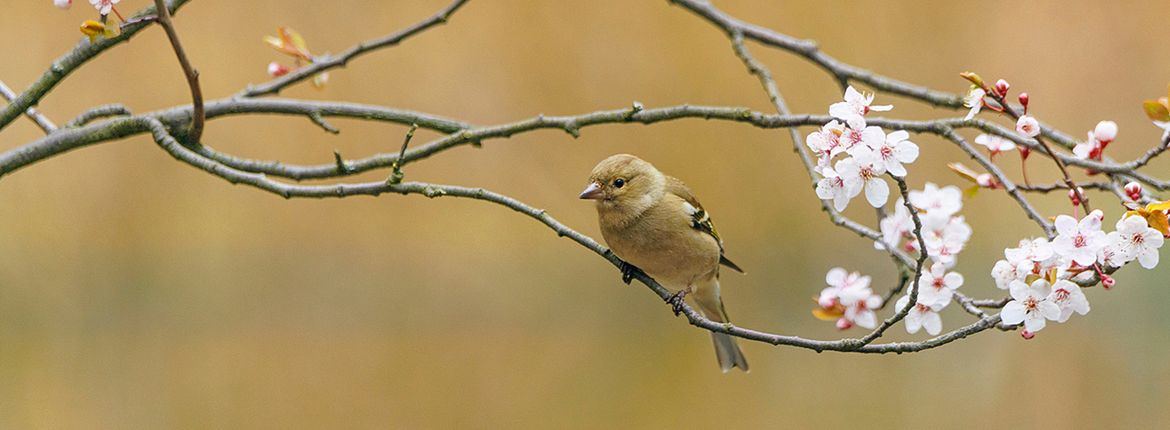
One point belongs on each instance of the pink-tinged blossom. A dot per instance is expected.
(1112, 254)
(937, 286)
(1079, 241)
(1036, 250)
(995, 144)
(850, 292)
(864, 171)
(1090, 149)
(832, 187)
(104, 6)
(1030, 305)
(63, 4)
(862, 138)
(826, 142)
(896, 150)
(1138, 241)
(922, 315)
(974, 100)
(945, 237)
(855, 107)
(1005, 272)
(1069, 297)
(1028, 126)
(932, 199)
(895, 226)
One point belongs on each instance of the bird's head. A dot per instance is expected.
(624, 182)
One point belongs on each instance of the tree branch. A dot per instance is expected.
(33, 114)
(333, 61)
(69, 62)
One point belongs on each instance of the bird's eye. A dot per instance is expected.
(619, 182)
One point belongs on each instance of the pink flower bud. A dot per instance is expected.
(1133, 190)
(63, 4)
(1028, 126)
(1001, 87)
(844, 324)
(1105, 132)
(277, 70)
(1027, 335)
(1025, 152)
(1024, 101)
(1107, 281)
(1074, 196)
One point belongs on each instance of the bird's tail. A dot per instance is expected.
(706, 295)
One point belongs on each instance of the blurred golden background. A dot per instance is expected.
(137, 292)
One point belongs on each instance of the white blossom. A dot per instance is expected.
(854, 108)
(1138, 241)
(937, 286)
(895, 150)
(974, 100)
(921, 316)
(1036, 250)
(994, 143)
(864, 171)
(1069, 297)
(1005, 272)
(1079, 241)
(932, 199)
(1028, 126)
(1030, 305)
(832, 187)
(895, 226)
(826, 142)
(104, 6)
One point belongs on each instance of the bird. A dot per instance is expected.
(654, 223)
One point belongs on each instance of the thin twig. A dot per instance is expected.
(195, 132)
(32, 113)
(333, 61)
(96, 113)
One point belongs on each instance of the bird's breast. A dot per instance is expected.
(666, 247)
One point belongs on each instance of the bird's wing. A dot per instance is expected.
(700, 219)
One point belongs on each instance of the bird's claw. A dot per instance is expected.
(677, 301)
(629, 272)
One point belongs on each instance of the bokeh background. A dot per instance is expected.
(137, 292)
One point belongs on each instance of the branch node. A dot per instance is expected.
(396, 174)
(342, 168)
(319, 119)
(573, 129)
(634, 109)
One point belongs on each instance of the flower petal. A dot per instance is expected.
(877, 192)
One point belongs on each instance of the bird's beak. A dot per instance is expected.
(592, 192)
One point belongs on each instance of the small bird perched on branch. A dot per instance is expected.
(653, 222)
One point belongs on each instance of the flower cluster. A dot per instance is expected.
(848, 300)
(866, 153)
(945, 234)
(1044, 276)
